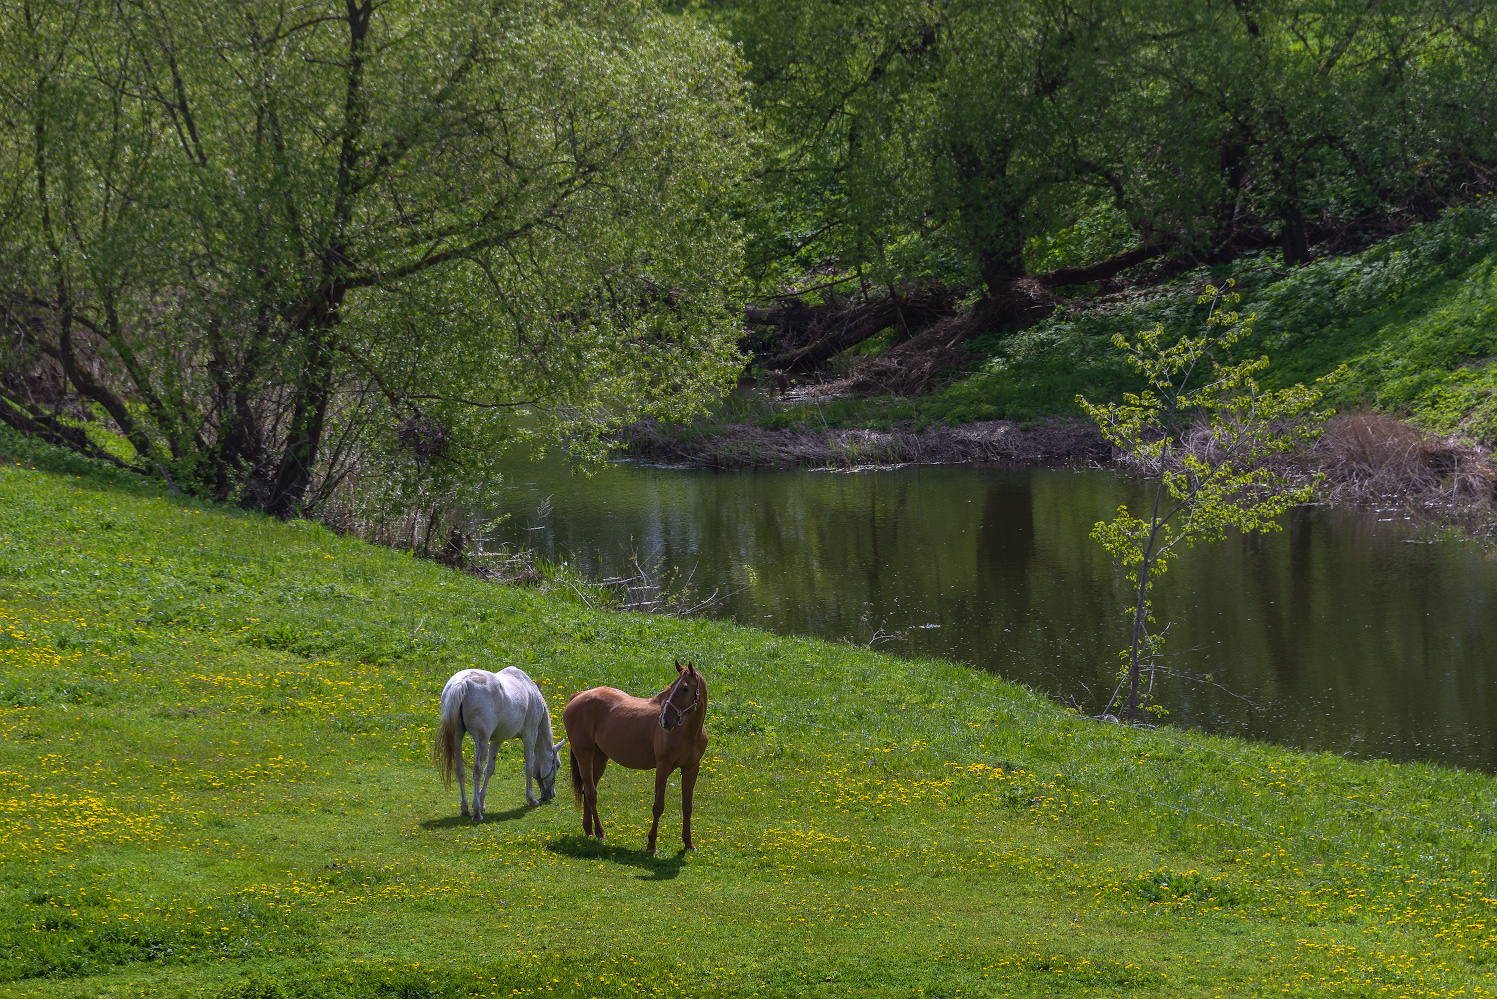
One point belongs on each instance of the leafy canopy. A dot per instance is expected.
(266, 242)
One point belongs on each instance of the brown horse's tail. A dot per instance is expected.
(444, 747)
(576, 780)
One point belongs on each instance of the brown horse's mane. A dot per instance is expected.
(653, 699)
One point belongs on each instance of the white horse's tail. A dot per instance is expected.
(444, 748)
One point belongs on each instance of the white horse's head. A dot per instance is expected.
(547, 767)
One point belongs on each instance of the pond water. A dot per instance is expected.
(1341, 633)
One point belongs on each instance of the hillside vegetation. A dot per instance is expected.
(214, 735)
(1414, 318)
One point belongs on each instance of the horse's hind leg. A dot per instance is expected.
(462, 792)
(479, 745)
(482, 797)
(588, 794)
(582, 780)
(592, 822)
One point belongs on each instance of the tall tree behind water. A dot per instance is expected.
(920, 140)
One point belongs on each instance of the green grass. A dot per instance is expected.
(214, 780)
(1414, 318)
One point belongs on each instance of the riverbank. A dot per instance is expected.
(1413, 320)
(216, 738)
(748, 445)
(1366, 460)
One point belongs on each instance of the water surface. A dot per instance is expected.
(1340, 633)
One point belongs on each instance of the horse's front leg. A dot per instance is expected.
(688, 786)
(662, 780)
(529, 769)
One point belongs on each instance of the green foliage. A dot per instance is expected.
(1209, 436)
(1166, 886)
(1099, 233)
(928, 142)
(55, 936)
(937, 142)
(500, 221)
(541, 974)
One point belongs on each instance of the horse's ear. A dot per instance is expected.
(679, 667)
(558, 746)
(691, 668)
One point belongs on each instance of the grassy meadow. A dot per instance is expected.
(214, 780)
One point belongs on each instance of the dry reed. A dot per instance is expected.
(1373, 460)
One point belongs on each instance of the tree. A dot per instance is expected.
(1010, 148)
(935, 142)
(257, 240)
(826, 78)
(1211, 440)
(1309, 106)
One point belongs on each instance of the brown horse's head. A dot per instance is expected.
(686, 693)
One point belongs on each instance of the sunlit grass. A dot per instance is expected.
(214, 742)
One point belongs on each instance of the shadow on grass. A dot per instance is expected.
(454, 821)
(657, 867)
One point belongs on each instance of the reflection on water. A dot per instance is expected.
(1339, 633)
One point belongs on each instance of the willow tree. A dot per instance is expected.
(1035, 119)
(256, 239)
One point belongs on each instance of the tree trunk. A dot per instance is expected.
(1293, 238)
(320, 319)
(309, 411)
(1012, 298)
(833, 330)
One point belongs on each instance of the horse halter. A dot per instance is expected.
(696, 695)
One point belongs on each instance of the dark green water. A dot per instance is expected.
(1340, 633)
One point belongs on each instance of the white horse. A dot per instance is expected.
(496, 707)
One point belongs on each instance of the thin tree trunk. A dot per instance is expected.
(320, 320)
(308, 417)
(1140, 609)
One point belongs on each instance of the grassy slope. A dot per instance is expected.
(1414, 318)
(214, 732)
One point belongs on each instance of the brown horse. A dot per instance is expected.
(662, 733)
